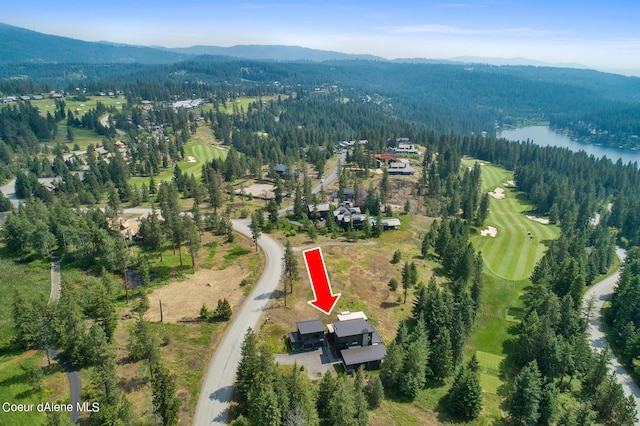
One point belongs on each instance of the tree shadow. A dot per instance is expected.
(26, 394)
(222, 394)
(132, 384)
(388, 305)
(547, 243)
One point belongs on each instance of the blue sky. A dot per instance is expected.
(598, 34)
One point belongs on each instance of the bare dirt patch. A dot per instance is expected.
(182, 300)
(259, 190)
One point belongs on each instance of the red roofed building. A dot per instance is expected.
(386, 158)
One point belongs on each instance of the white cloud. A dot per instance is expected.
(453, 30)
(272, 6)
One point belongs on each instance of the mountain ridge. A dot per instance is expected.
(20, 45)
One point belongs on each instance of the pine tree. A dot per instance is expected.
(360, 399)
(549, 404)
(392, 367)
(192, 235)
(248, 368)
(342, 409)
(165, 402)
(464, 398)
(326, 389)
(374, 392)
(441, 360)
(255, 226)
(223, 310)
(524, 395)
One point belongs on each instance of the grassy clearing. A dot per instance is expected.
(189, 345)
(32, 279)
(82, 137)
(78, 107)
(242, 103)
(15, 388)
(202, 151)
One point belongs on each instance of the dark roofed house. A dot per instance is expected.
(280, 169)
(349, 194)
(356, 332)
(321, 209)
(358, 343)
(310, 335)
(346, 214)
(403, 169)
(369, 357)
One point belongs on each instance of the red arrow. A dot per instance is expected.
(325, 300)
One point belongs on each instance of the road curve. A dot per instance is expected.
(72, 373)
(600, 293)
(217, 386)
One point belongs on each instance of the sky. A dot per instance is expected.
(599, 34)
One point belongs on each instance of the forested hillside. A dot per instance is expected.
(114, 138)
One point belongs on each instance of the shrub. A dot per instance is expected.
(223, 310)
(393, 284)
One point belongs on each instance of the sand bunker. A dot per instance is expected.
(497, 193)
(539, 219)
(190, 159)
(489, 232)
(510, 183)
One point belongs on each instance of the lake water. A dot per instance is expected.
(544, 136)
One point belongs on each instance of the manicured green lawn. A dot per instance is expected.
(82, 137)
(202, 153)
(243, 103)
(520, 242)
(78, 107)
(509, 261)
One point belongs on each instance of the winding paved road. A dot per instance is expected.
(65, 363)
(217, 386)
(597, 339)
(215, 393)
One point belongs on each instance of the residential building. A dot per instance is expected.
(346, 214)
(309, 336)
(321, 209)
(400, 169)
(357, 342)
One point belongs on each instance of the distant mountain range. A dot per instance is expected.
(19, 45)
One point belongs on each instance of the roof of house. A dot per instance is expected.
(352, 327)
(311, 326)
(386, 157)
(362, 354)
(322, 207)
(404, 168)
(280, 168)
(393, 221)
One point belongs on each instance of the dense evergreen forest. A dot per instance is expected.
(594, 107)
